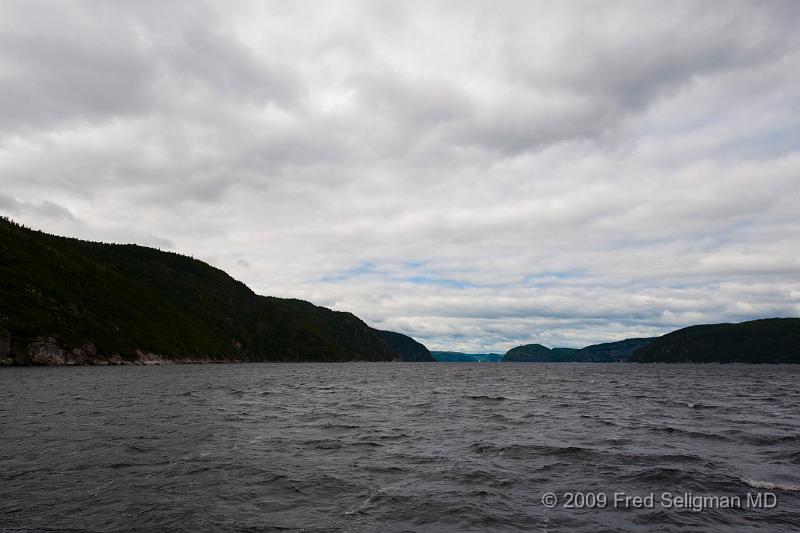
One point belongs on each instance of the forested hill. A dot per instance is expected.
(536, 353)
(771, 340)
(67, 301)
(407, 348)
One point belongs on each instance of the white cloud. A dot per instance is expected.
(477, 176)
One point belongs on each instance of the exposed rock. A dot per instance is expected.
(46, 352)
(5, 344)
(176, 317)
(82, 355)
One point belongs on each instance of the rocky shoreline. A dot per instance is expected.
(46, 351)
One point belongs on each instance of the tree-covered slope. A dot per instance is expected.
(126, 299)
(407, 348)
(611, 352)
(772, 340)
(530, 353)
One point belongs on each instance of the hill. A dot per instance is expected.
(407, 348)
(68, 301)
(771, 340)
(611, 352)
(536, 353)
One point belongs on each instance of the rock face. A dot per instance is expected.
(406, 348)
(5, 347)
(46, 352)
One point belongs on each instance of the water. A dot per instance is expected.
(394, 447)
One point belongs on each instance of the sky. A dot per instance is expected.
(478, 175)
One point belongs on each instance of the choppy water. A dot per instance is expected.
(394, 447)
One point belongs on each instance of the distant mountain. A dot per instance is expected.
(67, 301)
(564, 353)
(536, 353)
(599, 353)
(611, 352)
(772, 340)
(407, 348)
(460, 357)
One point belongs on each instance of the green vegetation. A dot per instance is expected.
(609, 352)
(125, 298)
(407, 348)
(772, 340)
(533, 353)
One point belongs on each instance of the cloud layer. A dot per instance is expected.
(473, 174)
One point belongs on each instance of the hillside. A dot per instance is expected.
(611, 352)
(407, 348)
(69, 301)
(535, 353)
(772, 340)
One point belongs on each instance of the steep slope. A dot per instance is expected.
(87, 301)
(772, 340)
(407, 348)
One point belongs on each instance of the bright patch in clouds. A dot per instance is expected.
(478, 175)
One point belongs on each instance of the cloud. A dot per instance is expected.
(477, 176)
(43, 209)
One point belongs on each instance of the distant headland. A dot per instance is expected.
(66, 301)
(771, 340)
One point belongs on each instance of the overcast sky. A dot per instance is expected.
(475, 174)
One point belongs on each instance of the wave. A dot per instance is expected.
(484, 397)
(688, 433)
(771, 485)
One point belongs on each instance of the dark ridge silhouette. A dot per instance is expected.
(69, 301)
(769, 340)
(407, 348)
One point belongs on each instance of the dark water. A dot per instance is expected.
(395, 447)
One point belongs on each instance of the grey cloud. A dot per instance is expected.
(43, 209)
(158, 242)
(563, 173)
(85, 61)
